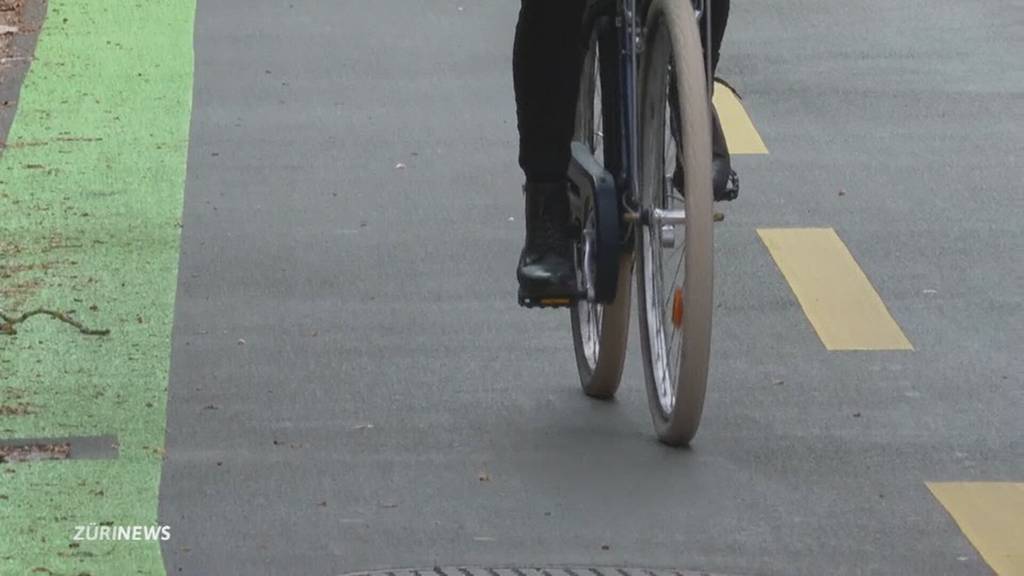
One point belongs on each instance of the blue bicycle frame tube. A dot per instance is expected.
(628, 63)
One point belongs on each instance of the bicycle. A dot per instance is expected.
(640, 190)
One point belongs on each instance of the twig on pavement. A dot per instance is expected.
(9, 322)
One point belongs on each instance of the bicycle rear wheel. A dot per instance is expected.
(675, 263)
(599, 332)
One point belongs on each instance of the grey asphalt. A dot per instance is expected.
(353, 386)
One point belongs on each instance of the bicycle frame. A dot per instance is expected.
(630, 211)
(629, 16)
(617, 187)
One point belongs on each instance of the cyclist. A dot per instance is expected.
(547, 62)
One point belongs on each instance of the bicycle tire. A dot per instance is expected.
(600, 332)
(674, 89)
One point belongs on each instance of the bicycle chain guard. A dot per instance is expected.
(595, 189)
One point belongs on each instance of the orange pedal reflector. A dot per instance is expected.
(556, 301)
(677, 308)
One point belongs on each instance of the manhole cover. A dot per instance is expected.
(531, 571)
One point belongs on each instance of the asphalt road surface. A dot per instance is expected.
(353, 386)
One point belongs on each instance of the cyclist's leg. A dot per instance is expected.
(548, 63)
(719, 21)
(725, 182)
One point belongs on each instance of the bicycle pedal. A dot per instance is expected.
(547, 302)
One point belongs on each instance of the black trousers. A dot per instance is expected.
(547, 61)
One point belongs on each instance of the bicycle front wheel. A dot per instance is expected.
(675, 263)
(600, 331)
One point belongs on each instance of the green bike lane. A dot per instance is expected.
(91, 184)
(352, 386)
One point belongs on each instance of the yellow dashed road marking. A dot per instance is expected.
(740, 133)
(991, 515)
(837, 297)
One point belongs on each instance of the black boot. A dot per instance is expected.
(547, 274)
(725, 184)
(724, 181)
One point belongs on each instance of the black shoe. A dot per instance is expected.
(724, 181)
(547, 273)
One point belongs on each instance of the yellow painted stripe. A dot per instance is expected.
(837, 297)
(991, 515)
(740, 133)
